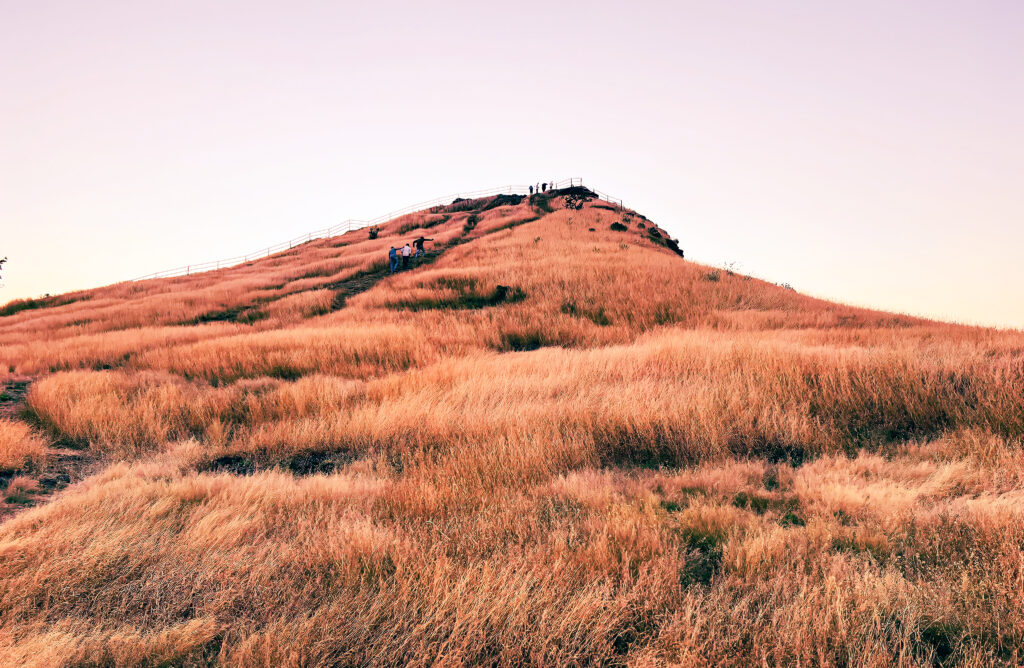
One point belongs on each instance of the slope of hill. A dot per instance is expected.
(553, 441)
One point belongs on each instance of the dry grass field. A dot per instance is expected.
(620, 457)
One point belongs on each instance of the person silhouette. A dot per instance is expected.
(418, 246)
(406, 255)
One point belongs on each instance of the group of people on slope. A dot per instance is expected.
(540, 188)
(407, 253)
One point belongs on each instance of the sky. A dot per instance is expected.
(868, 152)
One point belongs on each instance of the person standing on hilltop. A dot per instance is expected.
(393, 259)
(418, 244)
(406, 254)
(531, 191)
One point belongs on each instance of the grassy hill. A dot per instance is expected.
(552, 441)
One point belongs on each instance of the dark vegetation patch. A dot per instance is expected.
(658, 238)
(461, 204)
(618, 227)
(576, 191)
(19, 305)
(111, 362)
(245, 314)
(596, 316)
(780, 453)
(467, 296)
(576, 197)
(235, 464)
(504, 200)
(471, 222)
(942, 639)
(761, 503)
(626, 447)
(606, 207)
(791, 519)
(305, 463)
(285, 372)
(526, 340)
(703, 556)
(310, 463)
(542, 204)
(713, 276)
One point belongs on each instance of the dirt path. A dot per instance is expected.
(364, 280)
(12, 397)
(35, 485)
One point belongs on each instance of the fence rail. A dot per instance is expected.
(349, 225)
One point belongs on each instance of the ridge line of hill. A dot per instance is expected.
(353, 224)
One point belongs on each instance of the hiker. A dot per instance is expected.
(418, 244)
(393, 259)
(406, 254)
(531, 191)
(544, 187)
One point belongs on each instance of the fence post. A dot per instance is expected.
(188, 269)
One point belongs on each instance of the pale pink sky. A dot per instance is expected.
(869, 152)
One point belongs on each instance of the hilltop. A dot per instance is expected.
(553, 440)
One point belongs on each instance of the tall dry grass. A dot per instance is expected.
(623, 459)
(20, 446)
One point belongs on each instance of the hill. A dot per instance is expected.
(551, 441)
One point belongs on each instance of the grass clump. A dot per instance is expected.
(20, 446)
(597, 316)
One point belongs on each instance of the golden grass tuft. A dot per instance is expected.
(20, 446)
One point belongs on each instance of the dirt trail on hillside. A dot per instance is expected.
(35, 485)
(363, 281)
(12, 397)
